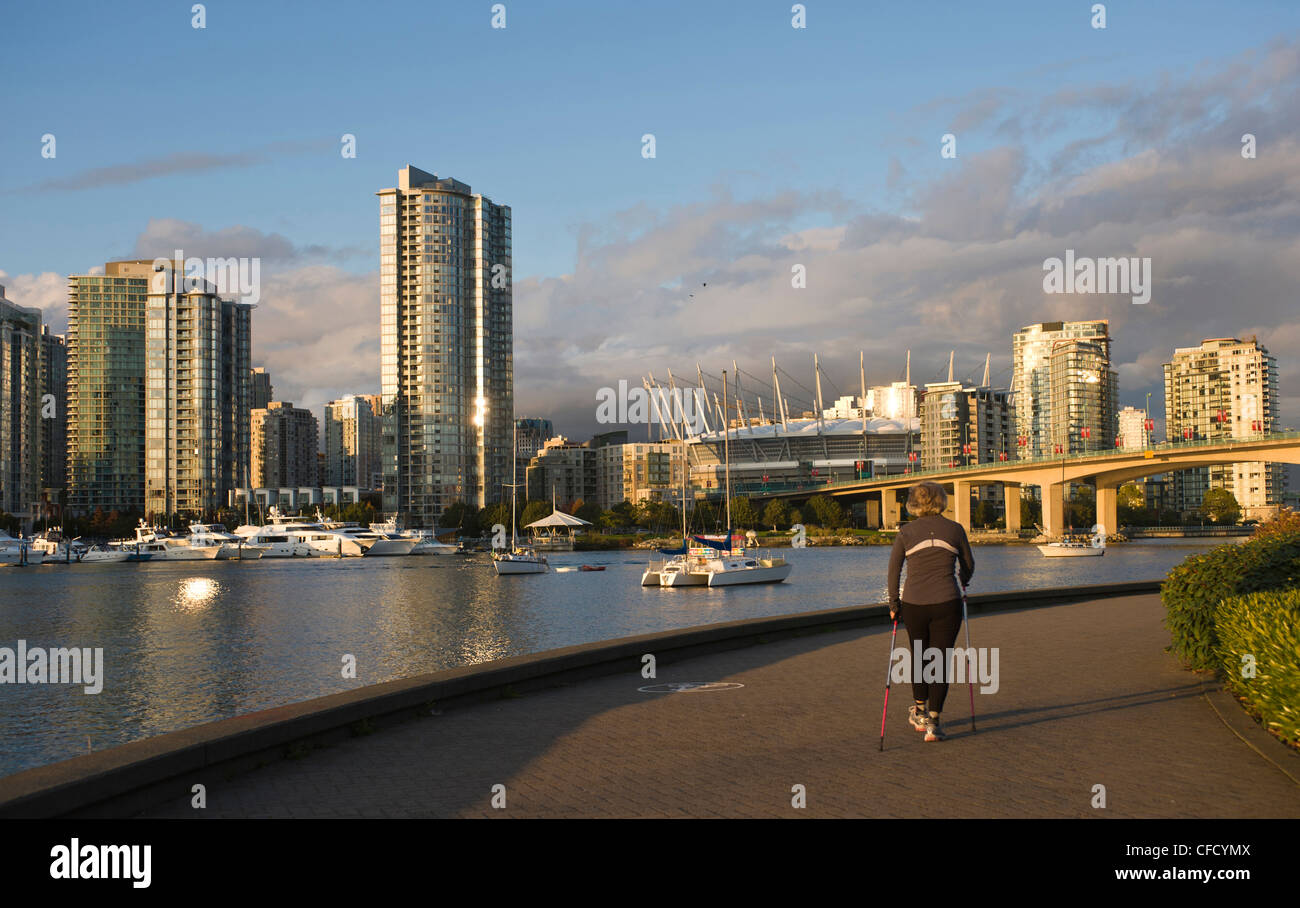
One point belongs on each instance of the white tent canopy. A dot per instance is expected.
(558, 519)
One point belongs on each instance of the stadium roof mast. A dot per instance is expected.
(651, 387)
(703, 407)
(741, 410)
(675, 400)
(862, 401)
(817, 369)
(781, 405)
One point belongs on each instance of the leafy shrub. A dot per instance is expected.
(1193, 590)
(1285, 524)
(1264, 630)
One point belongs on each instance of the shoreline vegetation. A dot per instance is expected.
(595, 542)
(1235, 611)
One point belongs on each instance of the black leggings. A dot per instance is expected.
(937, 626)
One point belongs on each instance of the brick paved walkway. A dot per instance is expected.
(1087, 697)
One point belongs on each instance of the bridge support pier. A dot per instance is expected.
(1011, 498)
(891, 512)
(1108, 506)
(1053, 509)
(959, 504)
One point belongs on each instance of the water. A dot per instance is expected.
(189, 642)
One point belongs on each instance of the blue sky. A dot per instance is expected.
(235, 128)
(545, 115)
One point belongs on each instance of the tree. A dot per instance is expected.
(1130, 505)
(534, 510)
(1220, 505)
(704, 517)
(1083, 508)
(1031, 512)
(742, 513)
(619, 517)
(461, 516)
(589, 511)
(777, 514)
(984, 514)
(494, 514)
(826, 511)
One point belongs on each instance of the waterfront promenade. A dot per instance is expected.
(1088, 697)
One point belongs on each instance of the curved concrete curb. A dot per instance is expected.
(1233, 715)
(126, 779)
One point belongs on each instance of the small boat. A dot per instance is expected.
(519, 559)
(1070, 549)
(99, 555)
(19, 552)
(323, 541)
(741, 568)
(275, 545)
(589, 567)
(1076, 546)
(228, 546)
(426, 542)
(372, 544)
(156, 544)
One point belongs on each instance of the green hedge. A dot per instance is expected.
(1193, 590)
(1265, 627)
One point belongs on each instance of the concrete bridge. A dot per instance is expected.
(1106, 471)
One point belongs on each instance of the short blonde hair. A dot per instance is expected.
(926, 498)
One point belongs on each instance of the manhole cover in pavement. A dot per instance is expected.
(689, 687)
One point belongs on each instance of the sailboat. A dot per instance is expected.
(730, 565)
(1069, 545)
(685, 567)
(520, 559)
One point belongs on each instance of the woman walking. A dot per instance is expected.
(930, 604)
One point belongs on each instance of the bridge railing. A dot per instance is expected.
(815, 485)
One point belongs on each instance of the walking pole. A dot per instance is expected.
(970, 685)
(888, 666)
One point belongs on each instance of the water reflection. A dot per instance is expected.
(196, 592)
(190, 642)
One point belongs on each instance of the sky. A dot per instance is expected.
(774, 147)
